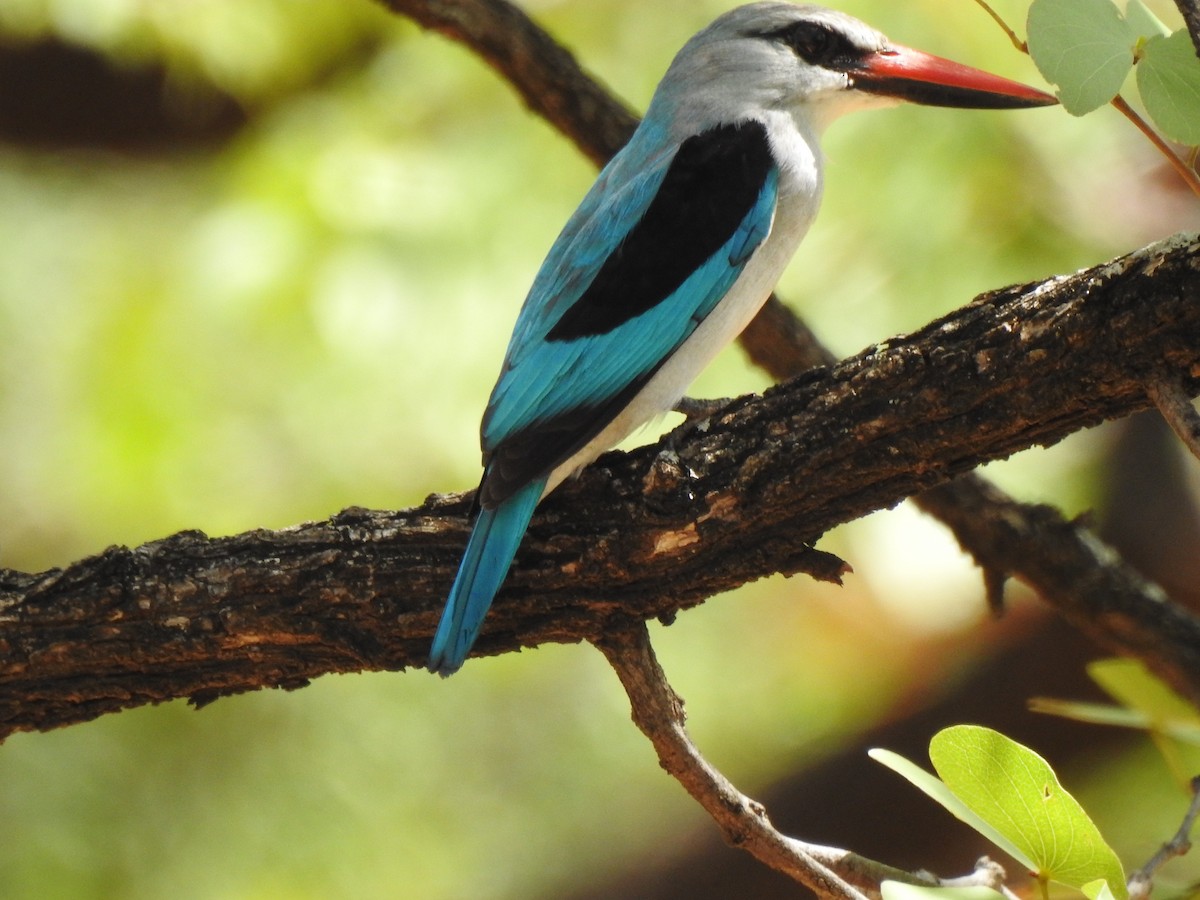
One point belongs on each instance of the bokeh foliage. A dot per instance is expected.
(265, 315)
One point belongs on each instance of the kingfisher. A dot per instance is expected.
(672, 252)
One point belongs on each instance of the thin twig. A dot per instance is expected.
(1176, 407)
(1182, 168)
(1012, 35)
(828, 871)
(988, 873)
(1190, 13)
(658, 712)
(543, 72)
(1142, 880)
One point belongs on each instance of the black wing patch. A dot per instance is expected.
(712, 183)
(537, 450)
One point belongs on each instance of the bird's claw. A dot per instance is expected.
(694, 409)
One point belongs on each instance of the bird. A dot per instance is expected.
(672, 252)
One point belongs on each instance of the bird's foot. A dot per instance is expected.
(694, 409)
(696, 414)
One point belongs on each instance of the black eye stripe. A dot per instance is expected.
(819, 45)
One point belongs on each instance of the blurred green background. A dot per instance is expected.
(258, 262)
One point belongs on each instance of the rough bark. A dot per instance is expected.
(645, 534)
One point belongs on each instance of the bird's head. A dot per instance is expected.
(818, 64)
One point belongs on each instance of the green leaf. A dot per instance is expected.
(938, 792)
(1118, 717)
(1083, 46)
(898, 890)
(1098, 890)
(1165, 715)
(1129, 683)
(1168, 78)
(1143, 22)
(1016, 792)
(1092, 713)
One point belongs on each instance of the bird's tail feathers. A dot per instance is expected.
(490, 550)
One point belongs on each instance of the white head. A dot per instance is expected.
(815, 64)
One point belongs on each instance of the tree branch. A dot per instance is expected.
(1175, 405)
(1141, 882)
(740, 496)
(544, 74)
(829, 872)
(658, 713)
(777, 340)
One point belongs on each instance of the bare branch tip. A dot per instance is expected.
(994, 581)
(1142, 881)
(1175, 405)
(1021, 45)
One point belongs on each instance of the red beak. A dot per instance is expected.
(908, 74)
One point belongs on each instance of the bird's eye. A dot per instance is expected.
(809, 41)
(817, 45)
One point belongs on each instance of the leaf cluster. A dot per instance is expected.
(1088, 47)
(1011, 795)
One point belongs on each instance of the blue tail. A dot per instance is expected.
(490, 551)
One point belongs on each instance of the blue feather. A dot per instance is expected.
(543, 379)
(493, 544)
(616, 201)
